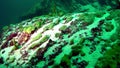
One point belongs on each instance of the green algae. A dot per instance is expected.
(56, 21)
(65, 61)
(111, 57)
(43, 39)
(76, 50)
(37, 37)
(40, 64)
(48, 27)
(63, 28)
(69, 18)
(99, 14)
(113, 14)
(11, 59)
(87, 18)
(109, 26)
(28, 28)
(71, 42)
(38, 24)
(57, 35)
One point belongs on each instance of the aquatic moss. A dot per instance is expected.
(82, 40)
(63, 28)
(69, 18)
(57, 21)
(71, 41)
(48, 27)
(38, 24)
(37, 37)
(111, 57)
(57, 35)
(99, 14)
(77, 47)
(56, 66)
(51, 25)
(45, 38)
(87, 18)
(51, 62)
(76, 50)
(113, 14)
(11, 59)
(61, 13)
(109, 26)
(1, 60)
(65, 62)
(116, 35)
(82, 53)
(28, 28)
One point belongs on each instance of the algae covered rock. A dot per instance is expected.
(77, 40)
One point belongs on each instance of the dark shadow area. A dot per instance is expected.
(18, 10)
(10, 10)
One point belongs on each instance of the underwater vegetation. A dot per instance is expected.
(64, 38)
(111, 57)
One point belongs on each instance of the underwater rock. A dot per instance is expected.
(80, 40)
